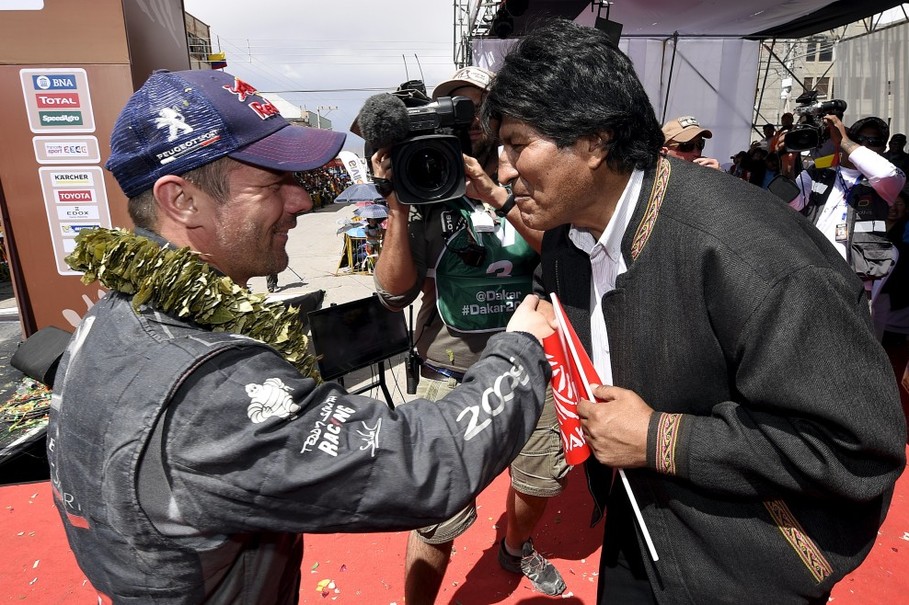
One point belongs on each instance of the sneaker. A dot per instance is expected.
(535, 567)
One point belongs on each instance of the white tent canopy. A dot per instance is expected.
(701, 58)
(713, 79)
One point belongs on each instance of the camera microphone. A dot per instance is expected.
(384, 121)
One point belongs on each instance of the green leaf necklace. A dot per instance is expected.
(176, 282)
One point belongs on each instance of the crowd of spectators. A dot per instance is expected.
(325, 184)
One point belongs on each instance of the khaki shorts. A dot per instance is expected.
(539, 470)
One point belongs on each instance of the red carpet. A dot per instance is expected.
(37, 566)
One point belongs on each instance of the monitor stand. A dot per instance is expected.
(378, 382)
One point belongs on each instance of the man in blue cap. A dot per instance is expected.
(191, 442)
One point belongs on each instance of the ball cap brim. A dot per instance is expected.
(292, 149)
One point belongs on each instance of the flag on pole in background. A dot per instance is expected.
(217, 60)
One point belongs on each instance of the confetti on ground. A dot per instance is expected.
(314, 567)
(905, 535)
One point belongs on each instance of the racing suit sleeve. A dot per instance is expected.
(251, 445)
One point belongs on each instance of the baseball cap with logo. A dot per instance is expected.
(466, 76)
(179, 121)
(683, 129)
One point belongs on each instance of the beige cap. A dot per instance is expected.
(683, 129)
(466, 76)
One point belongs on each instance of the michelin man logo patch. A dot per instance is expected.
(272, 398)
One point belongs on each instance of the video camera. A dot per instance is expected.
(428, 164)
(426, 140)
(810, 132)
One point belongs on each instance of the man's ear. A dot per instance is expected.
(177, 199)
(597, 148)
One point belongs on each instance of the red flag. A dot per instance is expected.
(565, 393)
(581, 366)
(573, 357)
(572, 375)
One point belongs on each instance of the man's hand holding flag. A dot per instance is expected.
(573, 379)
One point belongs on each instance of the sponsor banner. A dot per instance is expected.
(73, 213)
(72, 179)
(75, 196)
(60, 118)
(66, 150)
(71, 230)
(54, 81)
(57, 100)
(22, 5)
(355, 166)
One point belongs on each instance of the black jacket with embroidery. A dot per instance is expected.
(778, 433)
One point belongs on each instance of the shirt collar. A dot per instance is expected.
(611, 239)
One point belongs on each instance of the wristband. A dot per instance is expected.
(383, 186)
(506, 207)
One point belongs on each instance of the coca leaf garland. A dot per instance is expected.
(176, 282)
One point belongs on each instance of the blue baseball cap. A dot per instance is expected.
(181, 120)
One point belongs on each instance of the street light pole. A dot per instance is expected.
(320, 109)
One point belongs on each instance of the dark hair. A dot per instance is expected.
(568, 81)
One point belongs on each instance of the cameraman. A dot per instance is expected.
(454, 253)
(849, 201)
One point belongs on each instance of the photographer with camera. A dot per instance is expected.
(471, 257)
(849, 202)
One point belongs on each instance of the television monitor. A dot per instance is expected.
(356, 334)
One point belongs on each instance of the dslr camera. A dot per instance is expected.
(810, 132)
(428, 164)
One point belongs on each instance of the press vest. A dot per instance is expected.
(868, 251)
(482, 298)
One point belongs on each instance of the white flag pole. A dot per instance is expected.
(563, 321)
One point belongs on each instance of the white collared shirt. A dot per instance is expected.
(606, 265)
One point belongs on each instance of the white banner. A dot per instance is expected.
(355, 167)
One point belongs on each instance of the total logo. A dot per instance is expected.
(57, 99)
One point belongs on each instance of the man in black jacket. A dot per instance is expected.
(743, 392)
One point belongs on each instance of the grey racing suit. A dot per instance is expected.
(186, 464)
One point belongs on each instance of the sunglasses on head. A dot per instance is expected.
(871, 141)
(689, 146)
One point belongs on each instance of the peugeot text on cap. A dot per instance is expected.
(180, 121)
